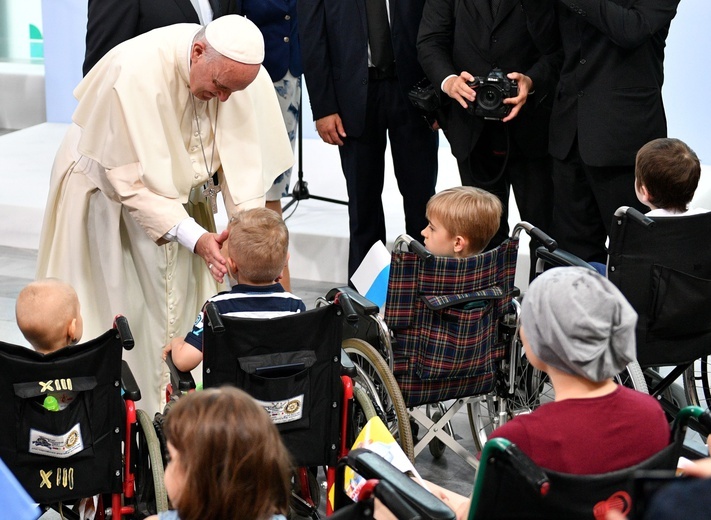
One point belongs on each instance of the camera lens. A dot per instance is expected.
(489, 97)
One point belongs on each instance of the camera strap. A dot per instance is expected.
(497, 177)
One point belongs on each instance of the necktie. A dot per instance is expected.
(494, 7)
(381, 49)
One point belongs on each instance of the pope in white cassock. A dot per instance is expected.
(129, 220)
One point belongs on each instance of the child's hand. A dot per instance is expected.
(166, 349)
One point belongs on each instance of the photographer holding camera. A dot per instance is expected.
(498, 61)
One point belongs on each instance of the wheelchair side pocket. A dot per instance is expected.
(679, 304)
(53, 435)
(457, 341)
(281, 384)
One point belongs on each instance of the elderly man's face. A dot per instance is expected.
(219, 77)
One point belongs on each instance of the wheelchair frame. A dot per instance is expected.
(518, 387)
(139, 488)
(648, 378)
(355, 410)
(544, 494)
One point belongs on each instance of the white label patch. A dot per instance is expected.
(58, 446)
(288, 410)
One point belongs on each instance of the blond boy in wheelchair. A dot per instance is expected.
(258, 252)
(461, 221)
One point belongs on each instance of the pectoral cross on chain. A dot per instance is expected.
(210, 191)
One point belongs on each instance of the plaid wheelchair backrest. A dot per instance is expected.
(445, 314)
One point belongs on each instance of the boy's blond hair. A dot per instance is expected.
(670, 172)
(471, 212)
(259, 244)
(43, 310)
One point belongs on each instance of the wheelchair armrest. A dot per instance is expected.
(347, 366)
(128, 383)
(358, 300)
(561, 258)
(370, 465)
(184, 380)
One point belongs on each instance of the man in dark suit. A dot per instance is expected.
(110, 22)
(460, 39)
(358, 97)
(607, 105)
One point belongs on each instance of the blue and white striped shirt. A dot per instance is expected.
(249, 301)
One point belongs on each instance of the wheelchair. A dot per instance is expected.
(99, 444)
(663, 267)
(450, 338)
(399, 493)
(294, 367)
(509, 485)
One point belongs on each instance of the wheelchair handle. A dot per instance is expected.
(549, 243)
(344, 300)
(124, 332)
(635, 215)
(414, 246)
(214, 317)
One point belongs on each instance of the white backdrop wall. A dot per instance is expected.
(688, 73)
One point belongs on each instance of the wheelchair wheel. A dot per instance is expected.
(376, 380)
(697, 383)
(151, 497)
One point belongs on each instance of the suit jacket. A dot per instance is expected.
(610, 90)
(462, 35)
(277, 19)
(334, 50)
(110, 22)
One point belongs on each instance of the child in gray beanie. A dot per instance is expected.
(578, 328)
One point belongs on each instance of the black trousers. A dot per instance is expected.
(586, 198)
(530, 178)
(414, 152)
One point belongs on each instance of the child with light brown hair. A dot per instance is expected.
(258, 245)
(462, 221)
(49, 315)
(227, 459)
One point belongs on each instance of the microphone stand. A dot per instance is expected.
(301, 187)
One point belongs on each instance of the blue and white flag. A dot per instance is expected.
(371, 277)
(16, 503)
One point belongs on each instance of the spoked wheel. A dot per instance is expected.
(490, 411)
(697, 382)
(305, 494)
(378, 383)
(151, 497)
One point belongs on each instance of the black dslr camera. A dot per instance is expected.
(425, 98)
(491, 90)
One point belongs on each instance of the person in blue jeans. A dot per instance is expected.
(226, 460)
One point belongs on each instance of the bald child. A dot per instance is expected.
(48, 315)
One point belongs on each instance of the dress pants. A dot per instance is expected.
(530, 178)
(414, 151)
(585, 200)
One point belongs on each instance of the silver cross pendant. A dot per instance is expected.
(210, 191)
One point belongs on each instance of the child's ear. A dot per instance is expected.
(72, 332)
(643, 194)
(460, 244)
(281, 274)
(232, 268)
